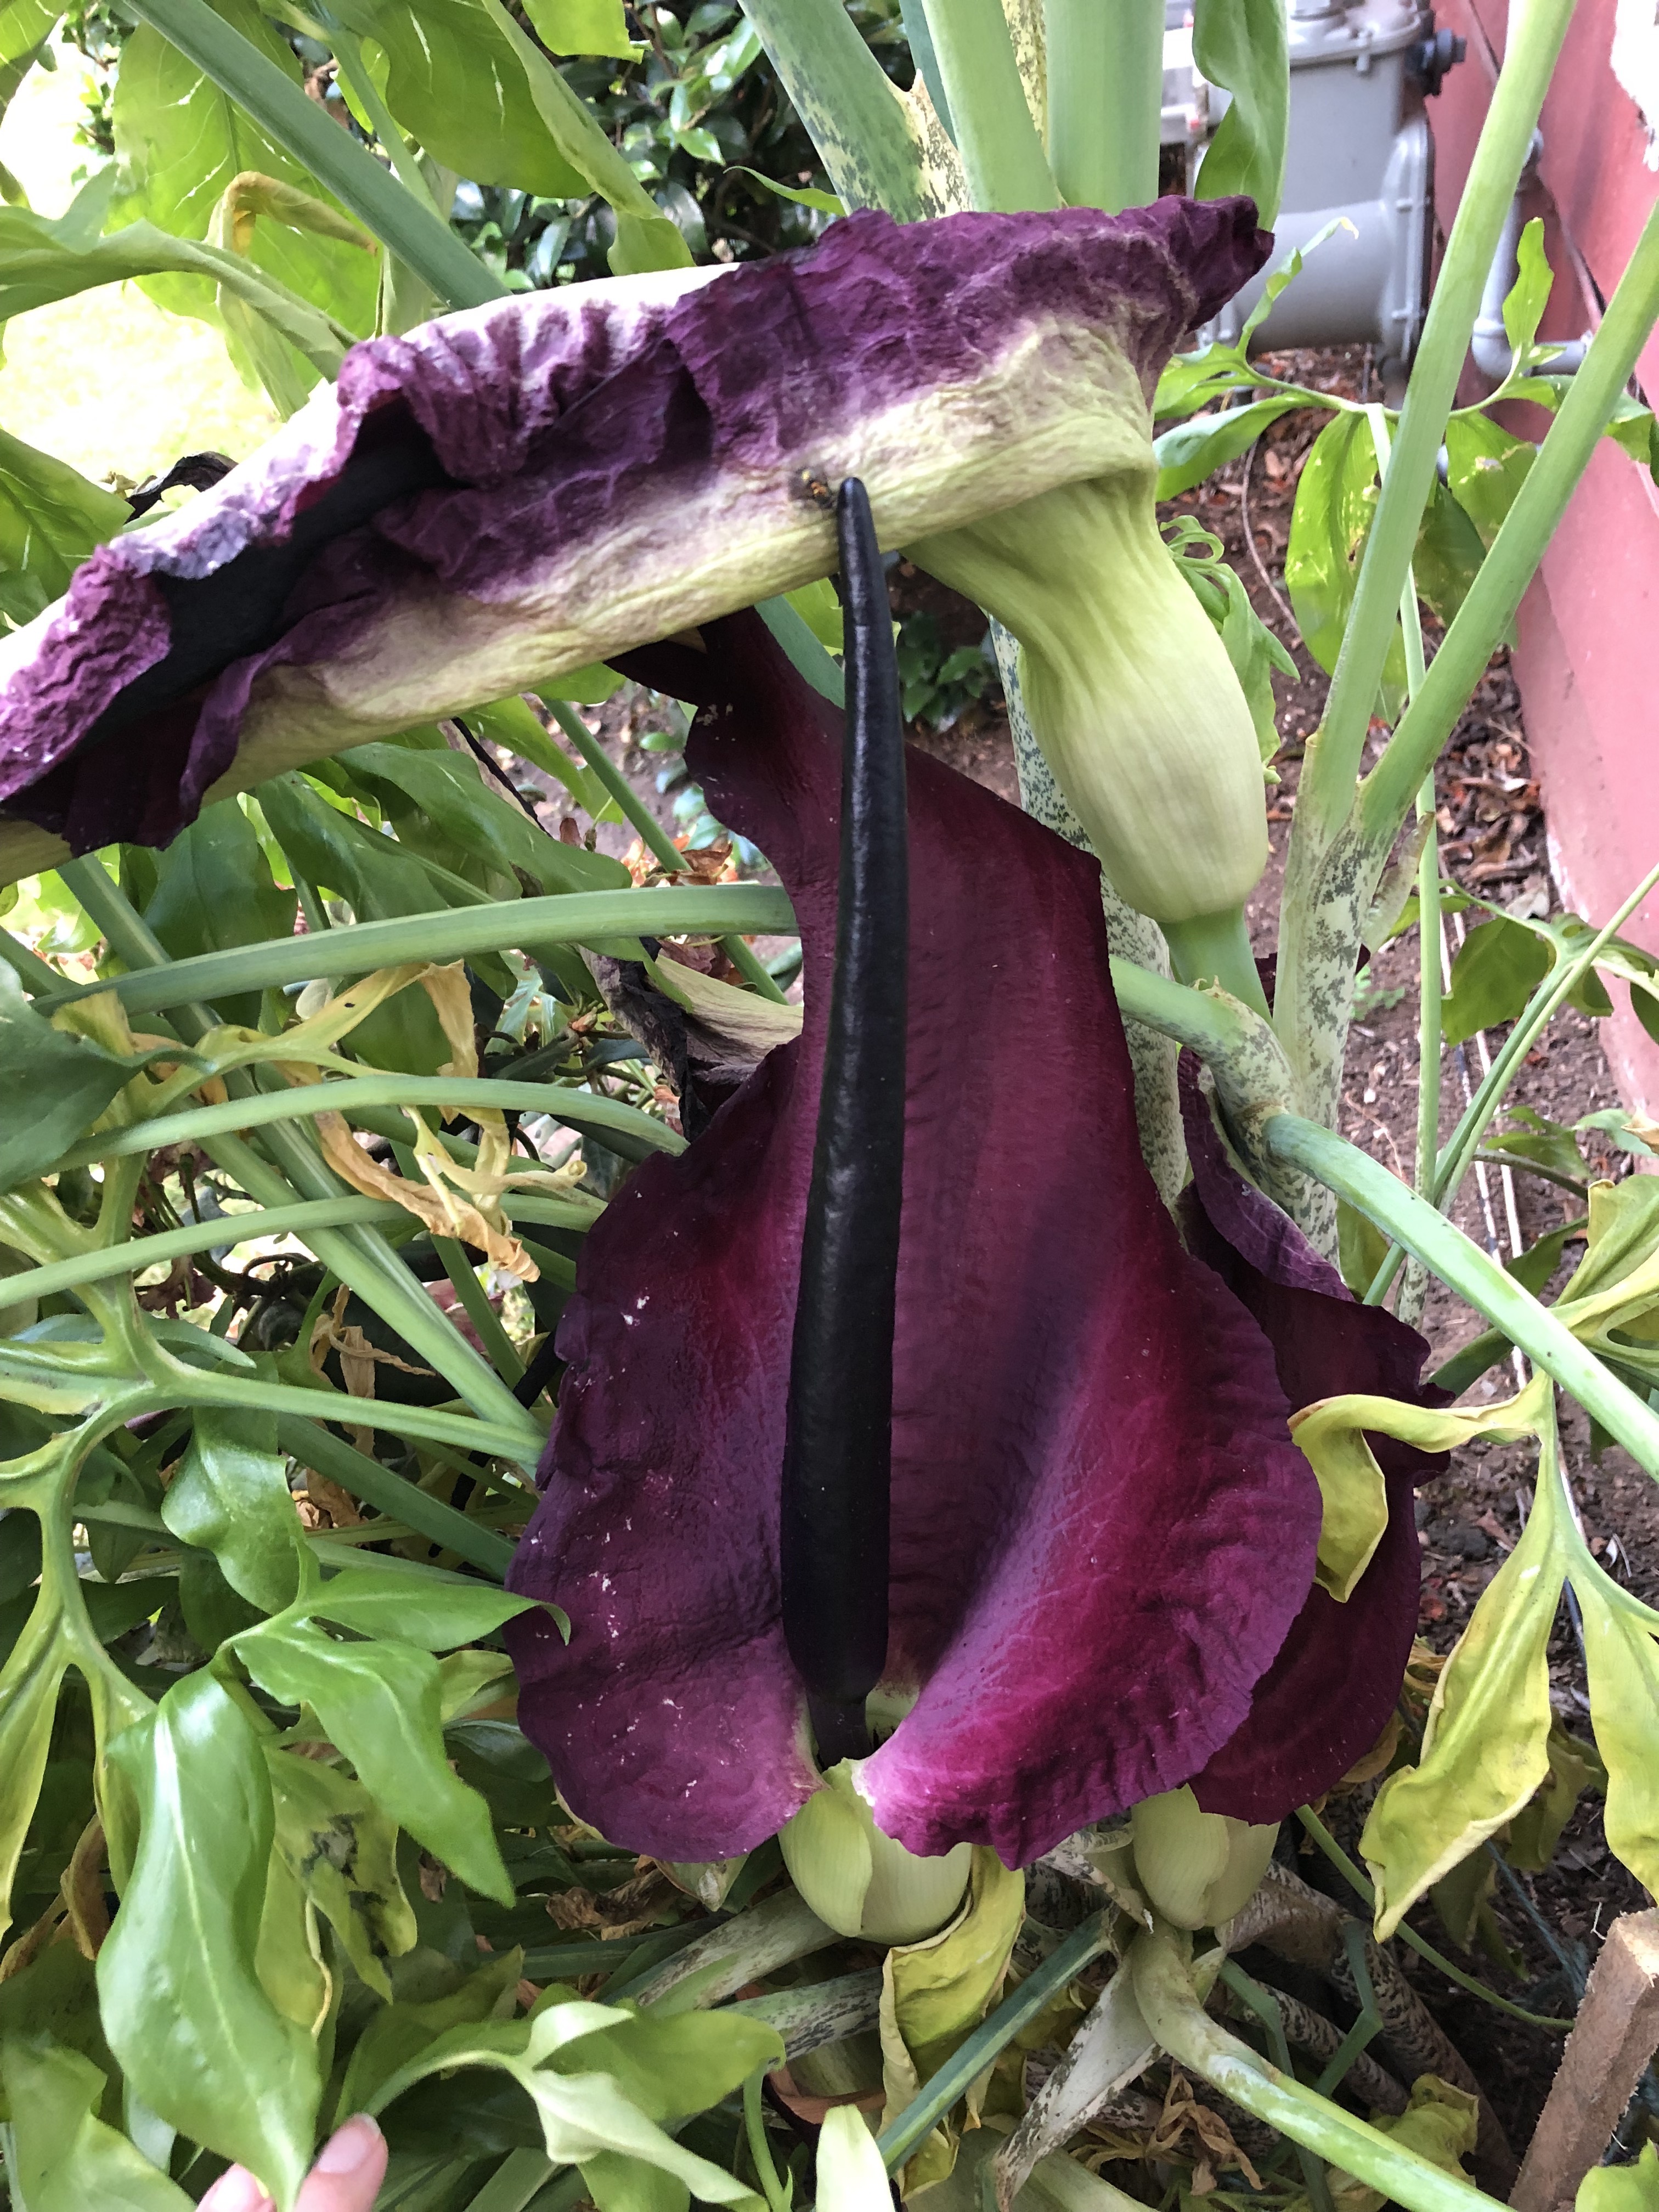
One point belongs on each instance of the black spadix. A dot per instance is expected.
(837, 1437)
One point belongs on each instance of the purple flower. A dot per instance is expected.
(1324, 1701)
(1101, 1532)
(510, 493)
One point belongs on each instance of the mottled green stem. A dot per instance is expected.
(1007, 169)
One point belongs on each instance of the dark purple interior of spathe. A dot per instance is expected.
(468, 453)
(1327, 1696)
(1101, 1531)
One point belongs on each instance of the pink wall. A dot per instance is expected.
(1588, 629)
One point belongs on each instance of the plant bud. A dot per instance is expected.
(1198, 1868)
(859, 1881)
(1130, 694)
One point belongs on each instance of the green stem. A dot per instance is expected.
(468, 1289)
(1557, 987)
(1428, 902)
(854, 116)
(1105, 100)
(31, 971)
(405, 226)
(624, 1128)
(449, 933)
(348, 52)
(935, 2096)
(1413, 1222)
(197, 1386)
(309, 1442)
(1339, 1859)
(1326, 795)
(1008, 170)
(1163, 1985)
(759, 2151)
(360, 1256)
(651, 833)
(1482, 622)
(1215, 948)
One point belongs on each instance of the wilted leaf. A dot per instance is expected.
(1622, 1662)
(935, 1993)
(1486, 1747)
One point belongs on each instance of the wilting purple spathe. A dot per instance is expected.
(602, 465)
(1326, 1698)
(1101, 1531)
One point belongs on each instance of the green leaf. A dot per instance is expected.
(1622, 2188)
(1485, 469)
(67, 2160)
(1448, 554)
(1335, 501)
(851, 2175)
(1551, 1144)
(395, 2038)
(437, 1616)
(214, 889)
(1530, 294)
(456, 84)
(1244, 46)
(213, 1611)
(451, 793)
(53, 1085)
(1574, 1767)
(344, 1851)
(51, 517)
(230, 1496)
(581, 27)
(673, 2067)
(1196, 448)
(803, 195)
(197, 2037)
(1622, 1662)
(181, 141)
(379, 1704)
(1533, 1269)
(1361, 1247)
(1497, 970)
(30, 1684)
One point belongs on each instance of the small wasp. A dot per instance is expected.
(817, 490)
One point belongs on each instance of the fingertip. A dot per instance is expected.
(349, 2169)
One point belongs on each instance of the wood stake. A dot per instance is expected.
(1616, 2034)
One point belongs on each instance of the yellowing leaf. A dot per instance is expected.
(1623, 1665)
(1439, 2124)
(1622, 2188)
(1331, 1437)
(1487, 1746)
(935, 1993)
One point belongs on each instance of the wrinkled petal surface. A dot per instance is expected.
(1322, 1704)
(1101, 1531)
(511, 492)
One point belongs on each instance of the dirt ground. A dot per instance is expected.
(1492, 841)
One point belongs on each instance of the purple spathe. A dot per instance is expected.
(1101, 1531)
(612, 462)
(1326, 1698)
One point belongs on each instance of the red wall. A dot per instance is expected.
(1589, 628)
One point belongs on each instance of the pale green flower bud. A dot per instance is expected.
(859, 1881)
(1197, 1868)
